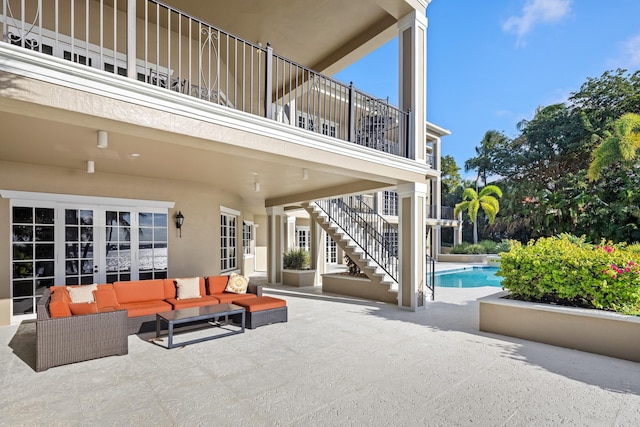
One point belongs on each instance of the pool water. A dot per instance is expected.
(469, 278)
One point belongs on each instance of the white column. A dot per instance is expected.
(275, 243)
(411, 245)
(291, 233)
(132, 72)
(412, 39)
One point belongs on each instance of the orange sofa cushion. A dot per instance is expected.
(83, 308)
(170, 291)
(227, 297)
(145, 308)
(252, 305)
(106, 298)
(216, 284)
(139, 291)
(192, 302)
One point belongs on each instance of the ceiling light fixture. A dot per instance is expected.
(103, 139)
(90, 166)
(256, 187)
(305, 174)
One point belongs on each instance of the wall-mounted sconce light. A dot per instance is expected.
(179, 222)
(91, 167)
(103, 139)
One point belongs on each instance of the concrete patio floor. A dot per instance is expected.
(338, 361)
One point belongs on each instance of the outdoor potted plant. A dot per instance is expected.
(296, 270)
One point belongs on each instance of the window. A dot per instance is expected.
(390, 203)
(304, 237)
(228, 241)
(331, 250)
(391, 242)
(152, 246)
(328, 130)
(247, 237)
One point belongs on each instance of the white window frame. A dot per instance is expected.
(228, 239)
(248, 245)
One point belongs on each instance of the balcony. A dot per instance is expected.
(446, 212)
(173, 51)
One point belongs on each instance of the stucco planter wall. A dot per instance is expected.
(463, 258)
(595, 331)
(361, 287)
(299, 278)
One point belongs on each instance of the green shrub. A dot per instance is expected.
(503, 246)
(564, 271)
(296, 259)
(483, 247)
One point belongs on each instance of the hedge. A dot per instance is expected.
(567, 271)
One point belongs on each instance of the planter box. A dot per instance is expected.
(463, 258)
(360, 287)
(299, 278)
(595, 331)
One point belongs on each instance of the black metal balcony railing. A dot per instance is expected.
(446, 212)
(165, 47)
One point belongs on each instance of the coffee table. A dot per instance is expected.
(196, 314)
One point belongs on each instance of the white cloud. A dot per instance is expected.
(629, 56)
(536, 12)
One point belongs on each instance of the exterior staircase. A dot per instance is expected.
(364, 236)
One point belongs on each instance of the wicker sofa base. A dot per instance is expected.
(74, 339)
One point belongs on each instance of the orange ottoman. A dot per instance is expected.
(262, 311)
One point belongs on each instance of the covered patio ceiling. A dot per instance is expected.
(40, 141)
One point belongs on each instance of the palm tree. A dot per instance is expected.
(472, 202)
(620, 146)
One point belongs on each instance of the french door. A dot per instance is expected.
(71, 244)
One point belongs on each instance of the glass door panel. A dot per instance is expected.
(33, 256)
(80, 264)
(118, 246)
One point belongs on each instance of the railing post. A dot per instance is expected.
(352, 111)
(132, 72)
(409, 133)
(268, 84)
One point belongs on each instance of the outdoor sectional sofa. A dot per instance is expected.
(69, 332)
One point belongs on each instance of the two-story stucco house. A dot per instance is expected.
(122, 119)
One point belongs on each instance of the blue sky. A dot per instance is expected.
(491, 63)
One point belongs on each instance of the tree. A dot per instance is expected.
(620, 146)
(450, 175)
(482, 161)
(472, 202)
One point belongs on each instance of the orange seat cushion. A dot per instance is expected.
(216, 284)
(135, 309)
(227, 297)
(192, 302)
(139, 291)
(252, 305)
(61, 292)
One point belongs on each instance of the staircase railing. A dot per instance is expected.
(430, 281)
(375, 235)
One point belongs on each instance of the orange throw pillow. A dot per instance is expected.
(105, 299)
(83, 308)
(59, 309)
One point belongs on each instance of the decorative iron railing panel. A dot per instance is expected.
(446, 212)
(160, 45)
(377, 237)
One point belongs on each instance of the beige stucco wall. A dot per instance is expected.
(195, 254)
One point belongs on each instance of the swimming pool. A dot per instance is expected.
(474, 277)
